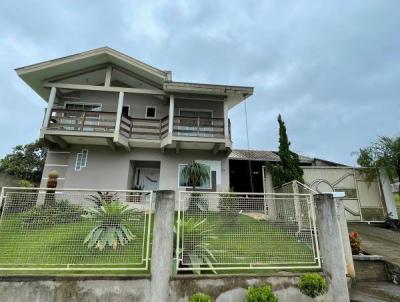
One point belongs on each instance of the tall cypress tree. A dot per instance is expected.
(289, 167)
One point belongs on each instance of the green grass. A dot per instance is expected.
(257, 242)
(62, 247)
(260, 243)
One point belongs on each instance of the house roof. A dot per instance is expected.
(271, 156)
(37, 74)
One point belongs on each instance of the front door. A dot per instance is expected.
(148, 178)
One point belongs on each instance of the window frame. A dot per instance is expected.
(155, 112)
(83, 103)
(79, 158)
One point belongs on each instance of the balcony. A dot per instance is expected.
(70, 124)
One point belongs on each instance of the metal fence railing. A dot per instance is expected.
(66, 229)
(239, 231)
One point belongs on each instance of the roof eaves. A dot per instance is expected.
(101, 50)
(223, 89)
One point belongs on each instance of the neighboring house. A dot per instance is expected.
(364, 200)
(113, 122)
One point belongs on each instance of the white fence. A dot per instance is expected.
(245, 231)
(43, 229)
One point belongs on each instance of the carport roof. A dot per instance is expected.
(271, 156)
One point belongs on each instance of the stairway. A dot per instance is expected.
(371, 284)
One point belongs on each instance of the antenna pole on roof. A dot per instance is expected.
(248, 148)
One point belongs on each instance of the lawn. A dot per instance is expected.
(247, 241)
(62, 246)
(255, 242)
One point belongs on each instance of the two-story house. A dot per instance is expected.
(113, 122)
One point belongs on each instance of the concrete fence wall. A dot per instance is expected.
(163, 286)
(222, 289)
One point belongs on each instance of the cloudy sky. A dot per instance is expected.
(331, 68)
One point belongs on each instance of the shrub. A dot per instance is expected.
(25, 183)
(228, 206)
(20, 201)
(313, 285)
(355, 243)
(260, 294)
(199, 297)
(61, 212)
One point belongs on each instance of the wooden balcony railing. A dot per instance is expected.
(80, 120)
(137, 128)
(198, 127)
(142, 128)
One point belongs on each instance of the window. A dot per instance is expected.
(150, 112)
(72, 117)
(183, 182)
(83, 106)
(125, 110)
(191, 117)
(81, 160)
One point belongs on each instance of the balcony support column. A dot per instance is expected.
(171, 114)
(50, 105)
(226, 130)
(119, 114)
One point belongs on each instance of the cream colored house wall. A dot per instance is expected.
(138, 103)
(108, 169)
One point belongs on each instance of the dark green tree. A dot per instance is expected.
(289, 167)
(383, 154)
(25, 162)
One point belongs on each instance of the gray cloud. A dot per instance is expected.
(332, 69)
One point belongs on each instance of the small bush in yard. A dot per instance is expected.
(199, 297)
(61, 212)
(313, 285)
(355, 243)
(260, 294)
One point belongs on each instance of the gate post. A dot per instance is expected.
(333, 262)
(162, 251)
(345, 238)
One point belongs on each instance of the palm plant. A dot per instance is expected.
(112, 220)
(195, 248)
(195, 174)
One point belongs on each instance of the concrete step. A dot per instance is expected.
(370, 270)
(375, 292)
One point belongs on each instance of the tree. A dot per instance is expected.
(289, 167)
(25, 162)
(383, 154)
